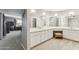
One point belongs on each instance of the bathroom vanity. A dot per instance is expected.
(41, 35)
(72, 34)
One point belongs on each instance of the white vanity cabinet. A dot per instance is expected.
(66, 34)
(75, 35)
(49, 34)
(43, 36)
(71, 34)
(40, 36)
(35, 39)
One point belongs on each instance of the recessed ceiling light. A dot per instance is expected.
(44, 13)
(33, 11)
(56, 14)
(71, 12)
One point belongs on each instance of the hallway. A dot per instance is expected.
(11, 41)
(58, 44)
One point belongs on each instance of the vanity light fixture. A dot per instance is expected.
(33, 11)
(71, 12)
(56, 14)
(44, 13)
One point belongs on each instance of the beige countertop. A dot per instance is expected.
(52, 28)
(47, 28)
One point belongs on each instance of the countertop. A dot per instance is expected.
(52, 28)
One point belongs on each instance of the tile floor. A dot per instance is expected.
(11, 41)
(58, 44)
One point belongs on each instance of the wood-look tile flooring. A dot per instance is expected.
(11, 41)
(58, 44)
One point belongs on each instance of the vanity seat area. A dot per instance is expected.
(41, 35)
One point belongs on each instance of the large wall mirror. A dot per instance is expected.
(43, 21)
(73, 21)
(53, 21)
(34, 22)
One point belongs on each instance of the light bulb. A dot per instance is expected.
(33, 11)
(56, 14)
(71, 12)
(44, 13)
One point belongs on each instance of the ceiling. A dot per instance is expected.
(17, 13)
(55, 9)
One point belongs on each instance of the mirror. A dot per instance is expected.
(43, 21)
(34, 21)
(53, 22)
(73, 21)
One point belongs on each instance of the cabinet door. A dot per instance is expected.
(66, 34)
(35, 39)
(71, 34)
(50, 34)
(43, 36)
(75, 35)
(46, 35)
